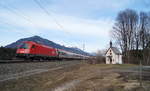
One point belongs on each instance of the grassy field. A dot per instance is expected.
(82, 77)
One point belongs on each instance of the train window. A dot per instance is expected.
(24, 46)
(110, 53)
(62, 53)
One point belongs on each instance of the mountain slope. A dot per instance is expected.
(47, 42)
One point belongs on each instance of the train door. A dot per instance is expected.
(33, 49)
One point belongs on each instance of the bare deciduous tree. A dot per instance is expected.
(132, 32)
(125, 29)
(144, 28)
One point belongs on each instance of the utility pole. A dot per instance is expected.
(83, 46)
(83, 50)
(140, 73)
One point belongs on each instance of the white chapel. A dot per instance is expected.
(113, 55)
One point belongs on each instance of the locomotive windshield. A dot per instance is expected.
(33, 46)
(24, 46)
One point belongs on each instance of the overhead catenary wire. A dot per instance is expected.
(49, 13)
(21, 15)
(13, 11)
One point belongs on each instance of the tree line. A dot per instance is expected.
(7, 53)
(131, 32)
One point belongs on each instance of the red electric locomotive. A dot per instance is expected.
(29, 49)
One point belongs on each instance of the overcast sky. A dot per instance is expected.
(70, 22)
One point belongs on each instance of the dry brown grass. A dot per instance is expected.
(83, 77)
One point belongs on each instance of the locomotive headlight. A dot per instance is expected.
(53, 52)
(26, 51)
(22, 51)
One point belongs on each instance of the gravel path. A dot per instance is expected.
(17, 70)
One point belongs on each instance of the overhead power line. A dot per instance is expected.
(21, 15)
(48, 13)
(15, 12)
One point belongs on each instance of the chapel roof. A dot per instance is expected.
(115, 50)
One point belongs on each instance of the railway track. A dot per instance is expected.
(23, 61)
(17, 70)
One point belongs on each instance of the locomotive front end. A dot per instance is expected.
(23, 50)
